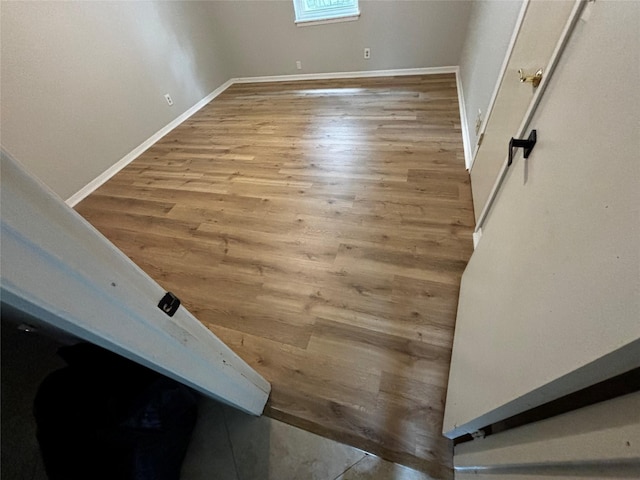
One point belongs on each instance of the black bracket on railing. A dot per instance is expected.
(527, 144)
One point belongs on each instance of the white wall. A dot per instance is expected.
(83, 82)
(262, 39)
(491, 25)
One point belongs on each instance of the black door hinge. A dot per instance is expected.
(169, 304)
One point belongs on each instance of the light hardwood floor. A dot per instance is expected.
(320, 228)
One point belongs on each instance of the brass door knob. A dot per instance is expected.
(534, 79)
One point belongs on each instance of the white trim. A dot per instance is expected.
(94, 184)
(503, 71)
(335, 75)
(466, 141)
(310, 23)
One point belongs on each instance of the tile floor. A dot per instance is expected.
(230, 445)
(226, 444)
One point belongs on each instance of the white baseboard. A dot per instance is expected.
(336, 75)
(466, 141)
(93, 185)
(140, 149)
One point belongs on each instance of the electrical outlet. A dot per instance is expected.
(167, 97)
(367, 53)
(478, 121)
(298, 64)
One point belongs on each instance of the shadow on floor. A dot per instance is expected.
(26, 360)
(226, 444)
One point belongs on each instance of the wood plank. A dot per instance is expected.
(320, 229)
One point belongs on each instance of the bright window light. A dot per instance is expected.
(325, 10)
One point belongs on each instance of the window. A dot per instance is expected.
(308, 11)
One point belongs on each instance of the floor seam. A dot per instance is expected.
(349, 468)
(233, 453)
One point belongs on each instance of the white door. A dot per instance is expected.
(550, 300)
(58, 269)
(533, 45)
